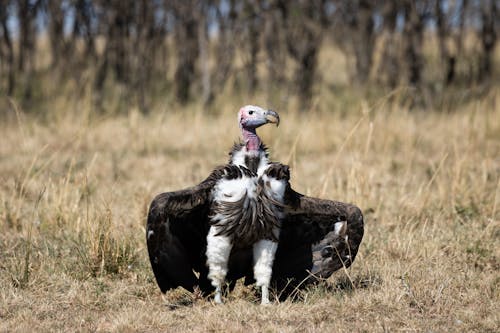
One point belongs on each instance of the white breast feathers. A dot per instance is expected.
(247, 211)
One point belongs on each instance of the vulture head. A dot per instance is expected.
(249, 118)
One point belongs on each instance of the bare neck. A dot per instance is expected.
(251, 139)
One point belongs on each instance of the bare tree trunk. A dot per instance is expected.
(56, 32)
(413, 36)
(251, 46)
(275, 55)
(459, 36)
(488, 38)
(143, 59)
(448, 59)
(82, 26)
(225, 48)
(119, 37)
(364, 39)
(186, 39)
(7, 40)
(27, 35)
(207, 94)
(389, 62)
(303, 39)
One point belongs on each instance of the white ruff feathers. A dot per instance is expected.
(274, 188)
(219, 246)
(238, 158)
(232, 190)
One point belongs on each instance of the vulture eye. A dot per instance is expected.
(250, 112)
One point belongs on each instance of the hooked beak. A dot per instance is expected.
(272, 117)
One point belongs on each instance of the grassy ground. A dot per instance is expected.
(74, 192)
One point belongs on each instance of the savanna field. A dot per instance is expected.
(75, 189)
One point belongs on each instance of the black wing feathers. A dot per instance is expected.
(309, 248)
(176, 234)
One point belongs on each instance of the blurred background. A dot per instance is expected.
(122, 54)
(391, 105)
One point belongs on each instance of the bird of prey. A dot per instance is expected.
(245, 220)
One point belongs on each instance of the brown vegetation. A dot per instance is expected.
(75, 189)
(402, 121)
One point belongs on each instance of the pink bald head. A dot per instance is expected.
(249, 118)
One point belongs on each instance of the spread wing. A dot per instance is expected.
(310, 245)
(177, 227)
(317, 238)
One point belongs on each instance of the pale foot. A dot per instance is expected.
(265, 296)
(218, 296)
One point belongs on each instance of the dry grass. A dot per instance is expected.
(74, 192)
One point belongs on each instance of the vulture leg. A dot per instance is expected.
(218, 251)
(263, 253)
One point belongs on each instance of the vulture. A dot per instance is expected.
(245, 221)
